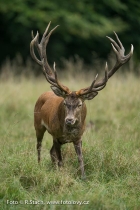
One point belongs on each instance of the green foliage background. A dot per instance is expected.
(83, 27)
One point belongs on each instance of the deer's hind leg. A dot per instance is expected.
(39, 135)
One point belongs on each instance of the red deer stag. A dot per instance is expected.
(62, 112)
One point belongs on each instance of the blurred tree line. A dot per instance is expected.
(83, 27)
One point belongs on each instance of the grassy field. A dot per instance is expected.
(111, 150)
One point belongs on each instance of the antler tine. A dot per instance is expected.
(35, 41)
(91, 88)
(45, 38)
(43, 44)
(50, 79)
(130, 53)
(105, 79)
(92, 84)
(62, 87)
(119, 41)
(88, 89)
(47, 29)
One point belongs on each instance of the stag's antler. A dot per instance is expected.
(50, 75)
(121, 59)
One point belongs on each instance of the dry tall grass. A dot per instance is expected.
(111, 148)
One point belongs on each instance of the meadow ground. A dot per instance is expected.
(111, 149)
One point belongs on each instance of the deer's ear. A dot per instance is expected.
(89, 96)
(58, 91)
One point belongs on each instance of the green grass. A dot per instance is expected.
(111, 149)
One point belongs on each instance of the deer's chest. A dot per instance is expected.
(70, 135)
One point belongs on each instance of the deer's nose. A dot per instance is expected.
(69, 121)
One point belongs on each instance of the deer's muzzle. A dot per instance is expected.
(70, 121)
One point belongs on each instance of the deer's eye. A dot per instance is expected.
(79, 105)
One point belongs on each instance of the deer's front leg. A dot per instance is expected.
(55, 153)
(78, 149)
